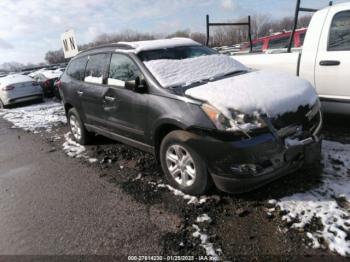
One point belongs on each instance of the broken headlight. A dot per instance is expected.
(237, 122)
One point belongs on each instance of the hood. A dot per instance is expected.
(265, 92)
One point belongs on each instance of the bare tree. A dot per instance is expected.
(55, 57)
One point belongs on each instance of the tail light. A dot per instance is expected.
(47, 83)
(8, 88)
(59, 84)
(34, 83)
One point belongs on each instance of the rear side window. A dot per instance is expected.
(122, 69)
(279, 43)
(339, 35)
(76, 68)
(257, 47)
(97, 68)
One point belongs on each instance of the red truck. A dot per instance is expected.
(277, 41)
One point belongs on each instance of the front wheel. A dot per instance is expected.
(183, 166)
(79, 132)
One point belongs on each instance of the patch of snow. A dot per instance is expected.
(92, 160)
(323, 203)
(191, 199)
(160, 44)
(36, 117)
(203, 218)
(139, 176)
(269, 92)
(72, 148)
(171, 72)
(75, 150)
(272, 201)
(208, 246)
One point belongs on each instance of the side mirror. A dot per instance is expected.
(138, 85)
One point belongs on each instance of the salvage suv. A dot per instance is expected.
(206, 117)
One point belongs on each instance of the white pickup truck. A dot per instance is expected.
(324, 59)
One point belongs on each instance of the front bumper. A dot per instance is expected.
(241, 166)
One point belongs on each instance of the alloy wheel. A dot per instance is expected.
(75, 127)
(180, 165)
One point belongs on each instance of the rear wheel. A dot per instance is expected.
(183, 166)
(79, 132)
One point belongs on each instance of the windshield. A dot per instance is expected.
(181, 52)
(174, 72)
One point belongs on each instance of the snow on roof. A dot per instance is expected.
(50, 74)
(269, 92)
(170, 73)
(14, 79)
(160, 44)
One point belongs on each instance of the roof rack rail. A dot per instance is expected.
(117, 45)
(248, 23)
(299, 9)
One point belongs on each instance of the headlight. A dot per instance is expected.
(237, 122)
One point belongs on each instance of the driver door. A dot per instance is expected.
(126, 111)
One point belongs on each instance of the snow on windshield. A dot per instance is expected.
(269, 92)
(170, 73)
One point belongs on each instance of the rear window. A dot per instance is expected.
(97, 68)
(279, 43)
(339, 35)
(76, 68)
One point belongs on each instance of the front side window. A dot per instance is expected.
(76, 68)
(97, 68)
(339, 35)
(121, 70)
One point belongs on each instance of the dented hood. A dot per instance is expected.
(265, 92)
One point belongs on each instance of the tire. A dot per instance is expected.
(192, 176)
(78, 130)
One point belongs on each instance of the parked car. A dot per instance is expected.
(47, 79)
(324, 59)
(278, 40)
(18, 88)
(205, 116)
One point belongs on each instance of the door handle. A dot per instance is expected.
(80, 93)
(329, 63)
(109, 98)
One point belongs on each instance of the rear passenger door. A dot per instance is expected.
(126, 110)
(92, 95)
(73, 89)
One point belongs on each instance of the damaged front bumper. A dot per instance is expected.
(243, 165)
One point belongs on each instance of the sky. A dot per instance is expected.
(30, 28)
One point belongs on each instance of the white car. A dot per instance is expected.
(18, 88)
(324, 59)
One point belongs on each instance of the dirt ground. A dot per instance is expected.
(240, 229)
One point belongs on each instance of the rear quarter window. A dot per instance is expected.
(76, 68)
